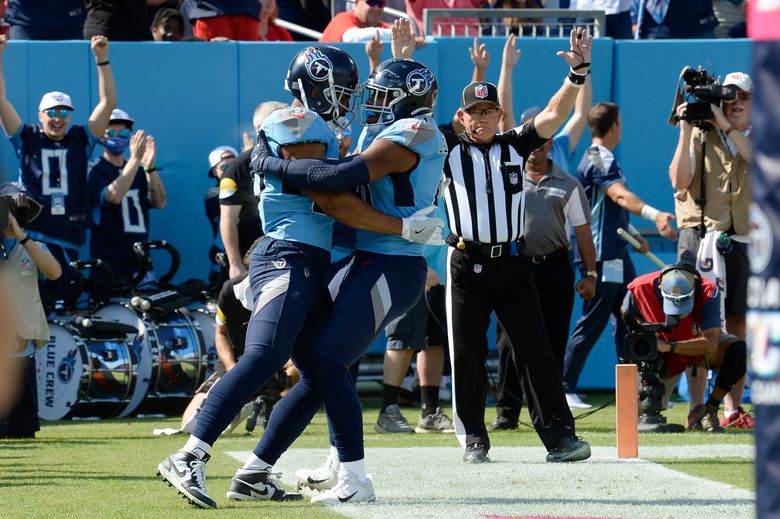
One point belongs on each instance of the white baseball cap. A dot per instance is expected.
(739, 80)
(120, 115)
(54, 99)
(217, 153)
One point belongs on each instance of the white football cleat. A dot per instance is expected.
(575, 402)
(323, 477)
(349, 489)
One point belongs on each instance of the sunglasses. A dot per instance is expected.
(118, 133)
(376, 3)
(62, 113)
(487, 112)
(742, 96)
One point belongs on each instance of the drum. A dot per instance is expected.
(79, 376)
(205, 316)
(140, 349)
(180, 356)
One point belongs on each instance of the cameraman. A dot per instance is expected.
(21, 259)
(679, 292)
(724, 206)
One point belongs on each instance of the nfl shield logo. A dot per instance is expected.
(481, 91)
(513, 178)
(477, 268)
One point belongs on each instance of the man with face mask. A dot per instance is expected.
(121, 192)
(54, 155)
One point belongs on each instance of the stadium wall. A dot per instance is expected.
(195, 96)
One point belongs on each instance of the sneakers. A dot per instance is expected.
(258, 485)
(575, 402)
(349, 489)
(392, 421)
(502, 423)
(740, 420)
(569, 448)
(185, 471)
(476, 453)
(437, 422)
(704, 418)
(323, 477)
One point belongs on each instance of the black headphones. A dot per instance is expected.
(687, 267)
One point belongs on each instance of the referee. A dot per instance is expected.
(486, 270)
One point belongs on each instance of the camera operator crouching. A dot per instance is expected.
(686, 309)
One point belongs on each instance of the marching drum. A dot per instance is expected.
(85, 375)
(205, 316)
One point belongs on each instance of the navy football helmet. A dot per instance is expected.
(397, 89)
(324, 79)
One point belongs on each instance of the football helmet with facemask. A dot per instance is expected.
(324, 79)
(397, 89)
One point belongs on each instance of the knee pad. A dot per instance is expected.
(734, 365)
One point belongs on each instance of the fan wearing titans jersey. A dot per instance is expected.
(286, 276)
(121, 192)
(54, 157)
(401, 153)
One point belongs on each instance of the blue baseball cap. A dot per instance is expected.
(678, 286)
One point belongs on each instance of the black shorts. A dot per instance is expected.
(423, 326)
(737, 275)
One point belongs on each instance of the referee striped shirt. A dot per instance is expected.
(485, 200)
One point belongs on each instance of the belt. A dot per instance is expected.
(547, 257)
(490, 250)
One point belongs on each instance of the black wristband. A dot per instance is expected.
(576, 79)
(581, 66)
(103, 63)
(151, 170)
(24, 240)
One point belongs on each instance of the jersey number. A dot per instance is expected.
(132, 215)
(55, 171)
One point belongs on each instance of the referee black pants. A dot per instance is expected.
(554, 281)
(476, 287)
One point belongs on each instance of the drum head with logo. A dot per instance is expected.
(60, 365)
(205, 317)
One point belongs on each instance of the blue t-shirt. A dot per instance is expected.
(597, 171)
(401, 194)
(286, 213)
(46, 14)
(55, 174)
(560, 153)
(116, 227)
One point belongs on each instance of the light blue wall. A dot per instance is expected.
(195, 96)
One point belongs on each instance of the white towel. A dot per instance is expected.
(711, 265)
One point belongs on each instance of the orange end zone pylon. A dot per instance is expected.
(626, 414)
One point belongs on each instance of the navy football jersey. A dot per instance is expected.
(117, 226)
(55, 174)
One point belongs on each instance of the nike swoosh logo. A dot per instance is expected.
(418, 232)
(416, 127)
(345, 499)
(316, 481)
(180, 473)
(261, 493)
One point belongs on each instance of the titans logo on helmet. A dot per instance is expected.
(419, 81)
(318, 66)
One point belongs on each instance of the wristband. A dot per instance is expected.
(649, 212)
(572, 83)
(672, 346)
(592, 273)
(151, 170)
(103, 63)
(24, 240)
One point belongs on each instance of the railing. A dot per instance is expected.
(501, 22)
(298, 29)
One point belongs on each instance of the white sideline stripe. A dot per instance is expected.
(433, 482)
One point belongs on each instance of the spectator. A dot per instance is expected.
(618, 15)
(219, 160)
(360, 24)
(314, 14)
(231, 19)
(730, 14)
(605, 187)
(46, 19)
(520, 26)
(446, 26)
(269, 31)
(121, 192)
(673, 19)
(155, 6)
(727, 155)
(23, 258)
(54, 158)
(168, 25)
(239, 218)
(119, 20)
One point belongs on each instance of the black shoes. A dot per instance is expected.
(569, 448)
(186, 472)
(476, 453)
(502, 423)
(258, 485)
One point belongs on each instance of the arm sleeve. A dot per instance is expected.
(524, 138)
(96, 186)
(358, 34)
(18, 138)
(228, 184)
(318, 175)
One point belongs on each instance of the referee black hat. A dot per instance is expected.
(479, 92)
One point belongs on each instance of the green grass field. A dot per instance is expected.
(106, 468)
